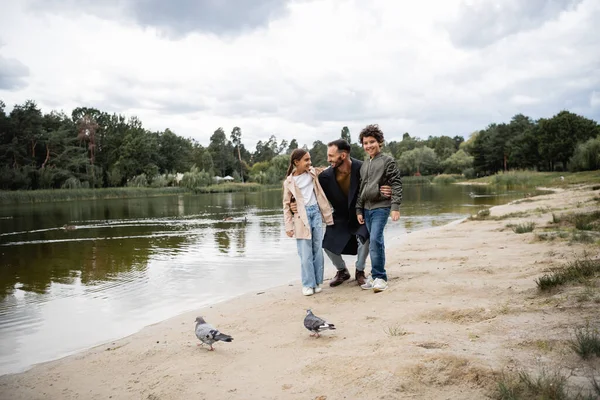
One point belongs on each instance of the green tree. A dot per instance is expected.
(357, 151)
(422, 161)
(267, 150)
(457, 162)
(444, 146)
(559, 135)
(524, 146)
(586, 156)
(207, 163)
(318, 154)
(346, 134)
(292, 146)
(175, 152)
(221, 151)
(236, 139)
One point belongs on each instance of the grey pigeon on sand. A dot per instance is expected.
(316, 324)
(208, 334)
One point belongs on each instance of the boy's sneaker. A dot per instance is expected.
(368, 284)
(307, 291)
(379, 285)
(318, 289)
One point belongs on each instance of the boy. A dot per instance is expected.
(373, 209)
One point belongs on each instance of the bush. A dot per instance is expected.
(159, 181)
(469, 173)
(524, 228)
(195, 179)
(444, 179)
(72, 183)
(417, 180)
(138, 181)
(115, 178)
(586, 156)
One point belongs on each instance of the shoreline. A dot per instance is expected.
(452, 319)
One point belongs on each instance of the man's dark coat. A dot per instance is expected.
(340, 238)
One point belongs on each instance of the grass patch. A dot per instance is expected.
(230, 187)
(524, 228)
(586, 342)
(481, 215)
(545, 386)
(588, 294)
(582, 237)
(517, 214)
(417, 180)
(556, 219)
(576, 271)
(51, 195)
(532, 179)
(588, 221)
(445, 179)
(524, 201)
(546, 236)
(582, 222)
(41, 196)
(395, 330)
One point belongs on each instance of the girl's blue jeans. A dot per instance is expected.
(311, 250)
(375, 220)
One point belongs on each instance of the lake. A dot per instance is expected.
(78, 274)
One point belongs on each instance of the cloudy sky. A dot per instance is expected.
(304, 68)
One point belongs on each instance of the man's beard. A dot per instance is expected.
(336, 164)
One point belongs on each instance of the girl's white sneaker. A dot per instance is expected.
(318, 289)
(307, 291)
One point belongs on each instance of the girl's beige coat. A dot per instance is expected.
(299, 222)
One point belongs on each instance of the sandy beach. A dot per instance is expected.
(462, 309)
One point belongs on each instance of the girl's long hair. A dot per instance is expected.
(295, 156)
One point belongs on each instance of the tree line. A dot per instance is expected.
(92, 149)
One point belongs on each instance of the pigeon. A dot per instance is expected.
(208, 334)
(316, 324)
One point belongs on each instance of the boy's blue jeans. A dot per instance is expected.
(375, 221)
(311, 250)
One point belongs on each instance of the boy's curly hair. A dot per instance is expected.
(373, 131)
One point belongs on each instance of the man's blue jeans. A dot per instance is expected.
(311, 250)
(375, 220)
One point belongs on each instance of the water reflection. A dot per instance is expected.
(132, 262)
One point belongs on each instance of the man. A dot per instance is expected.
(346, 236)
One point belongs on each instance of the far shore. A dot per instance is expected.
(530, 179)
(462, 312)
(54, 195)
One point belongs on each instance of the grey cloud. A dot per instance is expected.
(174, 106)
(484, 23)
(340, 105)
(121, 93)
(220, 17)
(12, 74)
(178, 18)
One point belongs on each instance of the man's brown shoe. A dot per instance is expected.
(339, 278)
(360, 277)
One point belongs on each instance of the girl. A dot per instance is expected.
(302, 185)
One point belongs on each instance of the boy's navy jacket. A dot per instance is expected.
(340, 237)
